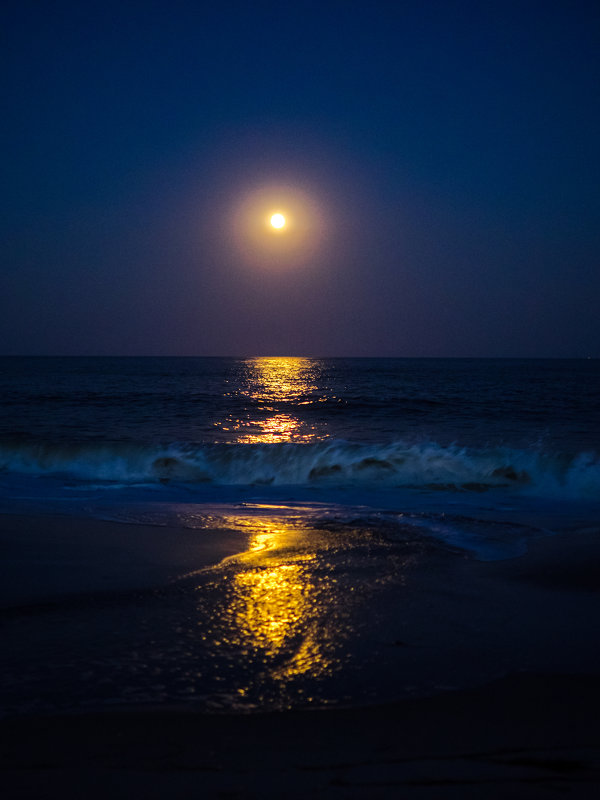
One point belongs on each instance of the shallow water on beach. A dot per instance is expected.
(276, 627)
(366, 491)
(325, 606)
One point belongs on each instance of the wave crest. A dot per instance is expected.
(396, 464)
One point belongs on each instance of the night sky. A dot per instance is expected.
(443, 156)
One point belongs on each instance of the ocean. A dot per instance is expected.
(337, 473)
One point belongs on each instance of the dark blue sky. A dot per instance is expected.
(451, 150)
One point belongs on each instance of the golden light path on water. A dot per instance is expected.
(289, 601)
(269, 384)
(277, 605)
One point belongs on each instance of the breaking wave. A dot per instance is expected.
(397, 464)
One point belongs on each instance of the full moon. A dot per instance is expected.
(275, 226)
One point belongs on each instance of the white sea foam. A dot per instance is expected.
(330, 463)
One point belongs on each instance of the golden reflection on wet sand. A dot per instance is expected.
(280, 607)
(271, 608)
(292, 597)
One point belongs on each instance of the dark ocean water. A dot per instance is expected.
(529, 425)
(156, 439)
(342, 474)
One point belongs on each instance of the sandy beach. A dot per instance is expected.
(527, 736)
(519, 713)
(46, 558)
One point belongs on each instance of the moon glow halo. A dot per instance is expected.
(276, 225)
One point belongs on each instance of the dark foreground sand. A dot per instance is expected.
(45, 557)
(526, 735)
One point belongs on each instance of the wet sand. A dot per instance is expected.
(48, 557)
(526, 736)
(533, 733)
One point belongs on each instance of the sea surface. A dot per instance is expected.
(201, 427)
(338, 471)
(156, 439)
